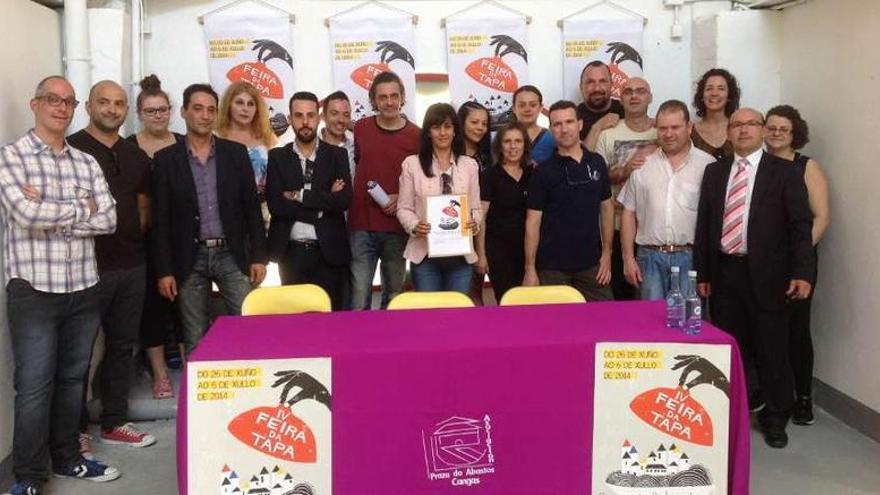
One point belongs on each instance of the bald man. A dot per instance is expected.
(625, 148)
(54, 201)
(753, 255)
(121, 261)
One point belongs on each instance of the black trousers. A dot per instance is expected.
(622, 290)
(801, 345)
(121, 296)
(506, 264)
(762, 335)
(303, 263)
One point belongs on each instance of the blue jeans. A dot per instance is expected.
(436, 274)
(367, 248)
(217, 265)
(655, 271)
(52, 338)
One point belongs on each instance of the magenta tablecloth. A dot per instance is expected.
(395, 372)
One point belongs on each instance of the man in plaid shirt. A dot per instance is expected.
(54, 201)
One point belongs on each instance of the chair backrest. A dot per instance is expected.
(425, 300)
(286, 299)
(545, 294)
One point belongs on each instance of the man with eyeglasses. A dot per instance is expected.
(121, 261)
(625, 148)
(570, 213)
(308, 189)
(207, 223)
(55, 201)
(753, 254)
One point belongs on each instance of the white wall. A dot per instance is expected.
(831, 73)
(34, 54)
(175, 49)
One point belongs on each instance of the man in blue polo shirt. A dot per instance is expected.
(569, 201)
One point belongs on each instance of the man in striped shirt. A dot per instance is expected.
(54, 201)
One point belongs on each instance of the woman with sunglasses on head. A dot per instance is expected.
(503, 190)
(440, 167)
(716, 98)
(528, 104)
(159, 317)
(785, 132)
(475, 119)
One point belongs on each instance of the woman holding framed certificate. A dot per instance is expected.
(439, 205)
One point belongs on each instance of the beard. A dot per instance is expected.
(107, 124)
(305, 134)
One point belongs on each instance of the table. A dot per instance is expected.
(396, 374)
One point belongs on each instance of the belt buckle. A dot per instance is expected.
(666, 248)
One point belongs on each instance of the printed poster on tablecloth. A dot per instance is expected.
(487, 60)
(617, 42)
(259, 427)
(661, 419)
(367, 41)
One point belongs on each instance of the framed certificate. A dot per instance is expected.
(449, 215)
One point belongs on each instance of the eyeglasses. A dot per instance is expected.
(779, 130)
(591, 175)
(446, 182)
(154, 112)
(56, 101)
(750, 123)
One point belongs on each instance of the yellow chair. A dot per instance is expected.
(426, 300)
(546, 294)
(286, 299)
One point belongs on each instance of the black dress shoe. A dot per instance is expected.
(803, 411)
(756, 401)
(775, 436)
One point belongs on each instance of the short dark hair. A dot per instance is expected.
(437, 114)
(800, 131)
(303, 95)
(526, 160)
(733, 92)
(336, 95)
(198, 88)
(670, 106)
(595, 63)
(563, 105)
(382, 78)
(530, 89)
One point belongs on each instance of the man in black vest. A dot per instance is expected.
(308, 189)
(207, 225)
(753, 254)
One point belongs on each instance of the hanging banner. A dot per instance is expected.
(661, 419)
(255, 47)
(367, 41)
(487, 60)
(259, 426)
(617, 42)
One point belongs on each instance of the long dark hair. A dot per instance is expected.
(525, 160)
(483, 147)
(733, 92)
(437, 114)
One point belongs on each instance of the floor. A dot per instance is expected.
(827, 458)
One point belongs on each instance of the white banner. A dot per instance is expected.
(661, 419)
(367, 41)
(487, 61)
(259, 426)
(617, 42)
(253, 46)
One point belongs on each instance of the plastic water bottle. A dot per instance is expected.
(674, 301)
(693, 306)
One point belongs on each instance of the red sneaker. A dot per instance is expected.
(127, 434)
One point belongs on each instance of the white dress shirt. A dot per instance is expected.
(302, 231)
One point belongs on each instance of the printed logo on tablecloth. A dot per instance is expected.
(459, 450)
(661, 419)
(265, 482)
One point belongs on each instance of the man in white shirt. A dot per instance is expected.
(660, 205)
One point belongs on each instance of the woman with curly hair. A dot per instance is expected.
(715, 100)
(785, 132)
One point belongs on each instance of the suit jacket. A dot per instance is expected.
(285, 173)
(779, 241)
(175, 209)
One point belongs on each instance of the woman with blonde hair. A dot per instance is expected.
(244, 118)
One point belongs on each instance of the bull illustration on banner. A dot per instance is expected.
(258, 73)
(494, 72)
(388, 52)
(620, 53)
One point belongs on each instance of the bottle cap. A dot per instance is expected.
(692, 273)
(674, 269)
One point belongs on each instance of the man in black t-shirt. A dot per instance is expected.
(121, 260)
(598, 110)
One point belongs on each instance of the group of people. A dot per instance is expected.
(129, 234)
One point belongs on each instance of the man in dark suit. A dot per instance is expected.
(207, 225)
(753, 254)
(308, 189)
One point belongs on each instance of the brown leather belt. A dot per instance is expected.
(670, 248)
